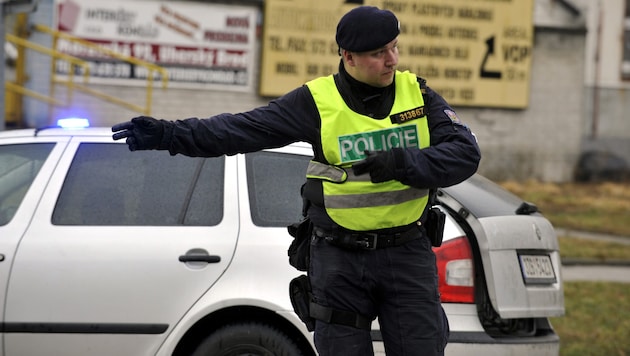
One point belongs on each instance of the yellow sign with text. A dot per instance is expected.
(472, 52)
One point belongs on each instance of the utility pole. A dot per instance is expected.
(8, 7)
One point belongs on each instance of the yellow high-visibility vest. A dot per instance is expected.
(354, 202)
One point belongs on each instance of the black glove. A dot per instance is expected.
(142, 133)
(382, 165)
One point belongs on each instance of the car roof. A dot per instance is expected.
(56, 131)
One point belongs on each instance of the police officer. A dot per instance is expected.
(381, 140)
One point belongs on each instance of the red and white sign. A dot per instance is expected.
(201, 45)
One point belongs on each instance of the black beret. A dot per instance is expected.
(365, 28)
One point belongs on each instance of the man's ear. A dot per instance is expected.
(348, 57)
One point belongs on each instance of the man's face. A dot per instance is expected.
(375, 68)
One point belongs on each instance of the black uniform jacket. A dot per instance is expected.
(452, 157)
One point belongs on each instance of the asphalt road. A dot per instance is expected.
(602, 273)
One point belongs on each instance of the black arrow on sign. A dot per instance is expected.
(483, 73)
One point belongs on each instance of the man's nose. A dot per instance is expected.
(391, 57)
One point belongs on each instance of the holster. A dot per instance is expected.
(300, 249)
(301, 296)
(308, 311)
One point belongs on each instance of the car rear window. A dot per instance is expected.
(19, 165)
(108, 185)
(274, 180)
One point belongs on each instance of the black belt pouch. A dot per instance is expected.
(300, 249)
(435, 225)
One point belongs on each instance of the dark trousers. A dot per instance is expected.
(396, 284)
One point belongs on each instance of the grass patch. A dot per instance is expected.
(596, 320)
(601, 207)
(571, 247)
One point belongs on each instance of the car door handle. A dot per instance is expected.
(200, 258)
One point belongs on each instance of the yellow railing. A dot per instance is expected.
(69, 81)
(74, 62)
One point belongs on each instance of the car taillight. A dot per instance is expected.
(455, 271)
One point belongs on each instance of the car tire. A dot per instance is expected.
(254, 339)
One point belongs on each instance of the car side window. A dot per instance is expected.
(19, 165)
(274, 181)
(108, 185)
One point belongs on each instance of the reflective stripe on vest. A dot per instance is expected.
(354, 202)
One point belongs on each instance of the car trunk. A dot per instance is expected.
(517, 247)
(521, 265)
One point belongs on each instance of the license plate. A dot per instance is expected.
(537, 269)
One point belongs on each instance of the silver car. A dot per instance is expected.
(107, 252)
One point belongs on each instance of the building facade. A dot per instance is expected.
(577, 88)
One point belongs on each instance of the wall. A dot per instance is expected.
(38, 66)
(606, 126)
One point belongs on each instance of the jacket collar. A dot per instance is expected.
(363, 98)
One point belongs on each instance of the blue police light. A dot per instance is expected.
(73, 123)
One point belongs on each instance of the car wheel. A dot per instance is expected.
(247, 339)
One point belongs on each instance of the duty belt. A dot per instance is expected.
(367, 240)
